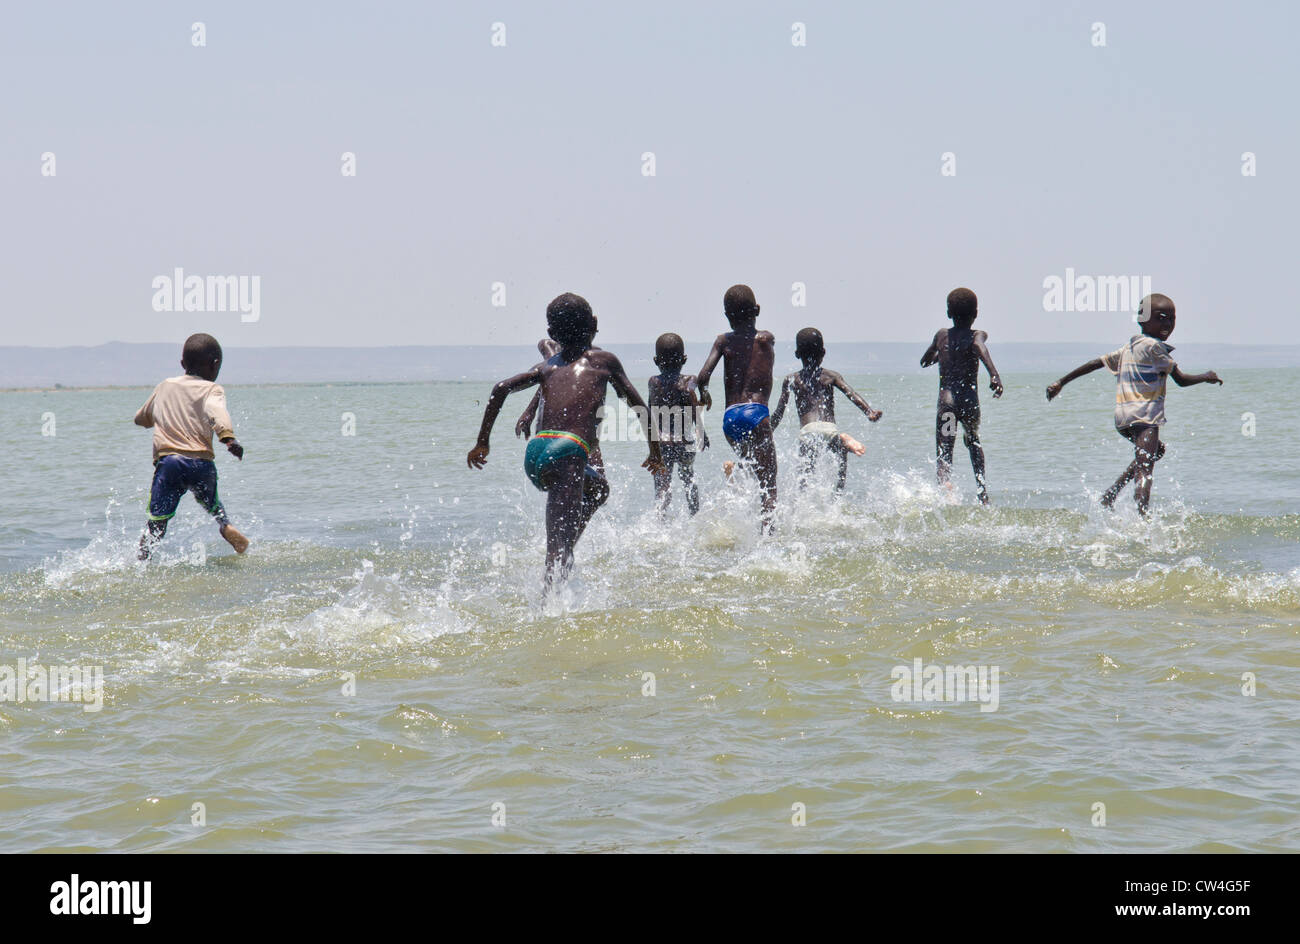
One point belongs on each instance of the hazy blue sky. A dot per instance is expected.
(774, 164)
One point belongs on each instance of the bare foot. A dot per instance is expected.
(235, 539)
(852, 445)
(728, 468)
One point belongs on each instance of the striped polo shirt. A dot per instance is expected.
(1140, 368)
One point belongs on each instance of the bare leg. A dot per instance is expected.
(234, 538)
(663, 488)
(686, 471)
(807, 460)
(945, 433)
(839, 449)
(566, 517)
(1148, 450)
(153, 533)
(764, 449)
(972, 439)
(1112, 493)
(1134, 469)
(595, 492)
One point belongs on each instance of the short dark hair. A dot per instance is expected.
(808, 343)
(739, 302)
(1155, 300)
(569, 320)
(962, 305)
(200, 350)
(671, 349)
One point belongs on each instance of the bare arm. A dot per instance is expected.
(1188, 380)
(1054, 388)
(622, 384)
(478, 455)
(995, 379)
(702, 378)
(780, 404)
(855, 398)
(701, 437)
(932, 352)
(524, 425)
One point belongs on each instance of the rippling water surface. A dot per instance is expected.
(381, 563)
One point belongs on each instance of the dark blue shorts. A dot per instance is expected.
(741, 419)
(173, 476)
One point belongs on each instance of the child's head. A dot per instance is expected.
(962, 307)
(569, 321)
(1156, 315)
(740, 305)
(201, 356)
(809, 346)
(670, 352)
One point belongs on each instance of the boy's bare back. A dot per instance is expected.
(677, 393)
(957, 351)
(814, 396)
(747, 361)
(574, 392)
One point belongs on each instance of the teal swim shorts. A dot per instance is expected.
(548, 447)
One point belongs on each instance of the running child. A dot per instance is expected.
(573, 383)
(1140, 368)
(674, 408)
(814, 397)
(747, 355)
(183, 413)
(958, 351)
(524, 425)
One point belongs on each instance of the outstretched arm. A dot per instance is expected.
(932, 352)
(1054, 388)
(144, 415)
(701, 437)
(775, 418)
(995, 379)
(855, 398)
(622, 384)
(1187, 380)
(524, 425)
(702, 378)
(478, 455)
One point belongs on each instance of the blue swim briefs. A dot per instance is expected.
(740, 420)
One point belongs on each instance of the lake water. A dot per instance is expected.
(379, 672)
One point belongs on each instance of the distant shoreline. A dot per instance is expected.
(129, 366)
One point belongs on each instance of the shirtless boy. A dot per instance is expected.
(814, 397)
(959, 351)
(747, 355)
(573, 384)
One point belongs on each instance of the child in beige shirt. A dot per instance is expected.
(183, 413)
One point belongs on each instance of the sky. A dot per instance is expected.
(523, 164)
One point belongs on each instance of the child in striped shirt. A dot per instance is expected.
(1140, 368)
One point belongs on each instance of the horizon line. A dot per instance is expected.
(649, 342)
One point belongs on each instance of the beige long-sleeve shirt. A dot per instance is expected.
(183, 413)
